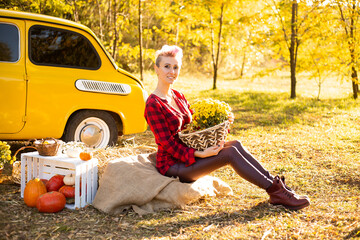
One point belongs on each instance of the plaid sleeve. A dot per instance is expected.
(159, 122)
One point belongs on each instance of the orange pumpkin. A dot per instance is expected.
(33, 189)
(85, 156)
(51, 202)
(68, 191)
(55, 183)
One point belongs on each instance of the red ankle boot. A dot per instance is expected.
(279, 195)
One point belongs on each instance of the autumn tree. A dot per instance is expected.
(216, 48)
(295, 19)
(54, 8)
(319, 52)
(214, 26)
(349, 13)
(243, 46)
(318, 59)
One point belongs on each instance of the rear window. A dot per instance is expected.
(58, 47)
(9, 43)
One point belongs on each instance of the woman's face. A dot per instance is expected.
(168, 70)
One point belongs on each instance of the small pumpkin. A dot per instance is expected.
(69, 179)
(85, 156)
(68, 191)
(55, 183)
(73, 152)
(51, 202)
(33, 189)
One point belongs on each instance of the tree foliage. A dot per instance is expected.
(230, 38)
(349, 13)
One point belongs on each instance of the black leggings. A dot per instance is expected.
(234, 154)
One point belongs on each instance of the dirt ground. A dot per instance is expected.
(17, 221)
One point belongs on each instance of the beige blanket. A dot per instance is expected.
(134, 182)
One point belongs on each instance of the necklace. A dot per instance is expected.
(167, 97)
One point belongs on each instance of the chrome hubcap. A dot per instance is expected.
(91, 135)
(94, 132)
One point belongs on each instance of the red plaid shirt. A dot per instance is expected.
(165, 122)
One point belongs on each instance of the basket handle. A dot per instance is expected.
(22, 148)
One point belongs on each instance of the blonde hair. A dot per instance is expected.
(168, 51)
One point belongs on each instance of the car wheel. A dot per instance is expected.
(97, 129)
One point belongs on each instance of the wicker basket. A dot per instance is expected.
(203, 139)
(44, 149)
(16, 172)
(50, 149)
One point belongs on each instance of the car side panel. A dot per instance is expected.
(13, 87)
(53, 97)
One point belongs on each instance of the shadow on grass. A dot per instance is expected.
(253, 109)
(353, 182)
(353, 234)
(219, 219)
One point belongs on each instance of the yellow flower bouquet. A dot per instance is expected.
(5, 154)
(209, 126)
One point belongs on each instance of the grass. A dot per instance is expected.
(315, 144)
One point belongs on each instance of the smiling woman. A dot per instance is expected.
(167, 67)
(167, 113)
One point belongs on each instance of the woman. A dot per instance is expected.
(167, 112)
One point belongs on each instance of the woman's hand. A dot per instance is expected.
(210, 151)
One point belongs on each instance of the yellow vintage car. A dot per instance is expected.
(57, 80)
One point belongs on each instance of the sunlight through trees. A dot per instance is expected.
(223, 38)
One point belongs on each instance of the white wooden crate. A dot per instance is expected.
(35, 166)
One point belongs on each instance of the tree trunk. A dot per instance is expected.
(213, 50)
(76, 14)
(181, 6)
(245, 55)
(41, 7)
(219, 44)
(177, 30)
(140, 42)
(243, 64)
(115, 32)
(351, 42)
(178, 26)
(354, 77)
(109, 14)
(216, 60)
(292, 49)
(355, 85)
(100, 20)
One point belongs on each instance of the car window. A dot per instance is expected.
(9, 43)
(58, 47)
